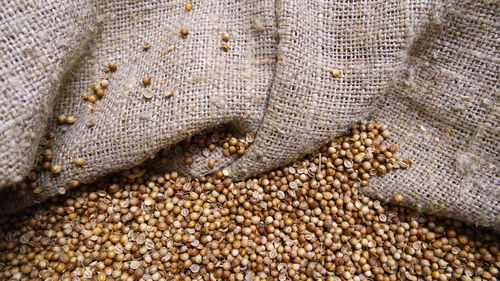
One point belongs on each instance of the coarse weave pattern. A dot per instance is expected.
(427, 69)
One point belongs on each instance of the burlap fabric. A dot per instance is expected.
(426, 69)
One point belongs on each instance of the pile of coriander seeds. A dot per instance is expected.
(307, 221)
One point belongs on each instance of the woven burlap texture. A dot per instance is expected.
(427, 69)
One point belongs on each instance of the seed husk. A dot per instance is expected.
(147, 94)
(169, 93)
(335, 73)
(61, 119)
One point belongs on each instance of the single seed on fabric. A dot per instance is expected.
(188, 6)
(104, 83)
(112, 66)
(56, 169)
(398, 198)
(225, 36)
(146, 81)
(184, 32)
(96, 87)
(99, 93)
(145, 46)
(79, 161)
(170, 48)
(211, 163)
(61, 119)
(335, 73)
(225, 47)
(91, 98)
(70, 119)
(74, 183)
(147, 94)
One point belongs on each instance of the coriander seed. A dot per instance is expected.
(225, 47)
(112, 66)
(398, 198)
(79, 161)
(56, 169)
(146, 81)
(184, 32)
(70, 119)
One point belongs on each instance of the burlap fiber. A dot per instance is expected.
(427, 69)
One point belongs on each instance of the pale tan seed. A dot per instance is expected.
(56, 169)
(169, 93)
(70, 119)
(79, 161)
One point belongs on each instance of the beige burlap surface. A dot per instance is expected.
(427, 69)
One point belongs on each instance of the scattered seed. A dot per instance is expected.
(170, 48)
(56, 169)
(90, 98)
(61, 119)
(225, 47)
(96, 87)
(184, 32)
(147, 94)
(99, 93)
(188, 6)
(79, 161)
(225, 36)
(398, 198)
(145, 46)
(70, 119)
(146, 81)
(112, 66)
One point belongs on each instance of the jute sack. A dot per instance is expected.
(426, 69)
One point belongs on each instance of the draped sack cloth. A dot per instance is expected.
(427, 69)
